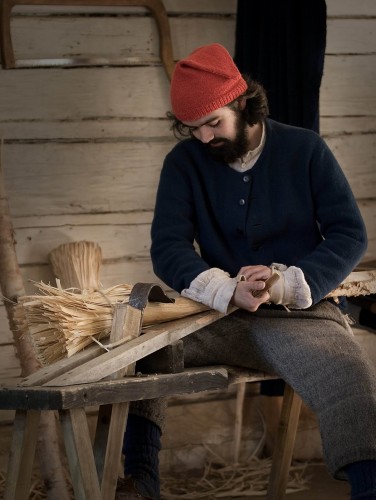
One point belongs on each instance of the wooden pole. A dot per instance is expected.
(12, 287)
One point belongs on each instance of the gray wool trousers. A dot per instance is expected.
(315, 352)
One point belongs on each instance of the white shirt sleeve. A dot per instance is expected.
(213, 287)
(291, 290)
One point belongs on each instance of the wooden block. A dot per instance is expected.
(170, 359)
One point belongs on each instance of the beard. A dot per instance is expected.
(230, 150)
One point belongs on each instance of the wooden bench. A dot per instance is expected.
(107, 380)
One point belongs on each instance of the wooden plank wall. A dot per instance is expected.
(83, 146)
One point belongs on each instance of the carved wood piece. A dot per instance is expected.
(357, 283)
(156, 7)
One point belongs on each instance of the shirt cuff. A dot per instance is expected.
(291, 290)
(213, 287)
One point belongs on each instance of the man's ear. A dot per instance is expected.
(242, 101)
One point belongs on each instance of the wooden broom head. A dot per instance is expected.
(77, 264)
(63, 322)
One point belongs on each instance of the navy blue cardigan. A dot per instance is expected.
(294, 207)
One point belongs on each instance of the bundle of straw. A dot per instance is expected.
(63, 322)
(223, 480)
(77, 264)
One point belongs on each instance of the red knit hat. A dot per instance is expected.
(204, 81)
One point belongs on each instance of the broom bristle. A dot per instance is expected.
(63, 322)
(77, 264)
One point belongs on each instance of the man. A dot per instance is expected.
(259, 197)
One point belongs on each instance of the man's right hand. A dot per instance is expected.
(244, 299)
(253, 280)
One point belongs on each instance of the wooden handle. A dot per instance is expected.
(268, 284)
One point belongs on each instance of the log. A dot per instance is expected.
(12, 287)
(356, 284)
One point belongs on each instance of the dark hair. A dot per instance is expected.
(256, 109)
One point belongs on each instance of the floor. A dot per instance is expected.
(322, 487)
(319, 486)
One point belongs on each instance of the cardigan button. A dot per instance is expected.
(246, 178)
(242, 201)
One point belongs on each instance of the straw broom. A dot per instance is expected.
(77, 264)
(62, 322)
(65, 319)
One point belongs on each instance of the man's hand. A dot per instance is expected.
(252, 278)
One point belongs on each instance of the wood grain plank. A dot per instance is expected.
(335, 8)
(172, 6)
(117, 241)
(343, 74)
(115, 391)
(331, 126)
(134, 40)
(351, 36)
(359, 168)
(49, 179)
(368, 210)
(94, 92)
(110, 92)
(122, 40)
(93, 219)
(351, 8)
(153, 339)
(76, 130)
(114, 129)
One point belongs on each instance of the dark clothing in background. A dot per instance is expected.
(281, 44)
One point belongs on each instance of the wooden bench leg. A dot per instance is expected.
(22, 453)
(127, 319)
(80, 455)
(240, 397)
(101, 437)
(112, 460)
(284, 446)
